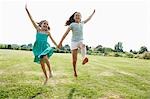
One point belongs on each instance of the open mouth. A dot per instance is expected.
(45, 26)
(78, 18)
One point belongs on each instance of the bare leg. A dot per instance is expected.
(83, 53)
(74, 58)
(48, 65)
(44, 70)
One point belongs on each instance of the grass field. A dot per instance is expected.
(101, 78)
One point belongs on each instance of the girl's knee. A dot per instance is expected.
(45, 57)
(82, 46)
(74, 62)
(42, 63)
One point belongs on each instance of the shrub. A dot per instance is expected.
(129, 55)
(146, 55)
(89, 52)
(117, 55)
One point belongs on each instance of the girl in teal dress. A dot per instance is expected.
(41, 49)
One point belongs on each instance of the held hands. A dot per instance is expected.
(59, 46)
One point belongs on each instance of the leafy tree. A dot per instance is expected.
(143, 49)
(99, 48)
(134, 52)
(119, 47)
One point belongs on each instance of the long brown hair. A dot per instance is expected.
(71, 19)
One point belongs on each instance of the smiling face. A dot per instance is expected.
(77, 17)
(45, 25)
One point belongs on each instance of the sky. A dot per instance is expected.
(126, 21)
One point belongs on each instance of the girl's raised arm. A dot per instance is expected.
(64, 36)
(49, 34)
(85, 21)
(34, 24)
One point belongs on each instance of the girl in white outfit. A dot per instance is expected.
(76, 25)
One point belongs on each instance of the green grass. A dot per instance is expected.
(101, 78)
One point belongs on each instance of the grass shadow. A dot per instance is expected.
(71, 93)
(31, 97)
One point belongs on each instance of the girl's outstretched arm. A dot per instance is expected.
(64, 36)
(34, 24)
(85, 21)
(49, 34)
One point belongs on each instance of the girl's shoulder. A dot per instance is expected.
(38, 28)
(72, 23)
(82, 22)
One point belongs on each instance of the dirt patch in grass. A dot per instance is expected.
(112, 96)
(106, 73)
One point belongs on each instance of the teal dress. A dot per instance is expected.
(41, 47)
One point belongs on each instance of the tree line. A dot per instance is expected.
(117, 51)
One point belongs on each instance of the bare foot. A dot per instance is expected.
(50, 75)
(85, 60)
(45, 82)
(75, 75)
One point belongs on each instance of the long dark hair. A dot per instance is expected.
(71, 19)
(40, 23)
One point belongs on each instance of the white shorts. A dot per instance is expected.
(76, 45)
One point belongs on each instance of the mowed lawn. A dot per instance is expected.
(101, 78)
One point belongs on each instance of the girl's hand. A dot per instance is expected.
(59, 46)
(26, 6)
(29, 15)
(94, 11)
(85, 21)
